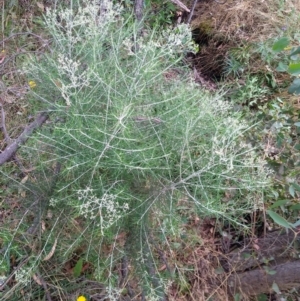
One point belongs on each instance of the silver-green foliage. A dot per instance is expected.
(135, 136)
(129, 122)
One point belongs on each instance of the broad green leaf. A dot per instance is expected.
(292, 191)
(78, 268)
(280, 44)
(279, 203)
(294, 58)
(295, 207)
(296, 51)
(279, 220)
(294, 68)
(296, 186)
(295, 87)
(282, 67)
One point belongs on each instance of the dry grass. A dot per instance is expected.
(197, 265)
(245, 19)
(239, 24)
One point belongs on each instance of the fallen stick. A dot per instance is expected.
(138, 9)
(6, 136)
(258, 281)
(11, 149)
(180, 4)
(192, 12)
(272, 248)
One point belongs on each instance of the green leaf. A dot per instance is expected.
(282, 67)
(262, 297)
(297, 124)
(219, 270)
(292, 191)
(78, 268)
(294, 68)
(294, 58)
(269, 271)
(246, 255)
(279, 220)
(295, 87)
(176, 245)
(280, 44)
(297, 51)
(279, 203)
(295, 207)
(275, 288)
(296, 186)
(237, 297)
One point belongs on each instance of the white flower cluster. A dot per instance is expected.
(108, 11)
(53, 202)
(2, 279)
(257, 201)
(174, 41)
(78, 28)
(77, 78)
(113, 294)
(179, 39)
(85, 22)
(105, 210)
(23, 275)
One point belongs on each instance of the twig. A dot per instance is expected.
(180, 4)
(42, 201)
(192, 12)
(23, 33)
(124, 271)
(13, 56)
(163, 258)
(138, 9)
(130, 291)
(11, 149)
(44, 284)
(2, 286)
(7, 138)
(150, 266)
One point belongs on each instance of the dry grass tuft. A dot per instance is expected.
(200, 273)
(218, 28)
(246, 20)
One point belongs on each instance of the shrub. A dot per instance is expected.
(135, 137)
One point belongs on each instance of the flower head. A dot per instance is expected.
(81, 298)
(32, 84)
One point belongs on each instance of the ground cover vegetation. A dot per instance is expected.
(139, 177)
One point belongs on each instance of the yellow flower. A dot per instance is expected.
(81, 298)
(32, 84)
